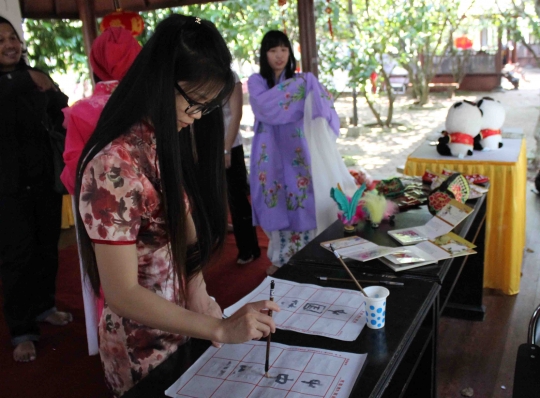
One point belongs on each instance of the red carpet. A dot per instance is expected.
(63, 368)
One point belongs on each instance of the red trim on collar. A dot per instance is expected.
(488, 133)
(114, 242)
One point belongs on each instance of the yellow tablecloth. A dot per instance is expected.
(505, 217)
(67, 212)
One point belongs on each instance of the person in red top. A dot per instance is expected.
(111, 56)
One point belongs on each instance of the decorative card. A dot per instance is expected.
(429, 252)
(358, 248)
(344, 242)
(411, 254)
(442, 223)
(409, 236)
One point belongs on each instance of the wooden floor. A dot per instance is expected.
(482, 355)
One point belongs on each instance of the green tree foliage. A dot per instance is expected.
(424, 30)
(244, 22)
(524, 16)
(365, 32)
(56, 45)
(360, 44)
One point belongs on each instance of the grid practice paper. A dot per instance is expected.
(237, 370)
(310, 309)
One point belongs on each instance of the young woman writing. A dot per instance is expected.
(151, 198)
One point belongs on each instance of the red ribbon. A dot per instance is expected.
(488, 133)
(460, 138)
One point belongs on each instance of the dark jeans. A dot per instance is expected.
(29, 233)
(239, 206)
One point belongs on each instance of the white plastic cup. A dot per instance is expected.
(376, 306)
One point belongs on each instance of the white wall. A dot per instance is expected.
(10, 10)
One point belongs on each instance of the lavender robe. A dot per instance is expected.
(280, 176)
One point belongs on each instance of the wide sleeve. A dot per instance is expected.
(282, 104)
(322, 102)
(112, 200)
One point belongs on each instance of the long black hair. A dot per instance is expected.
(271, 39)
(190, 50)
(22, 62)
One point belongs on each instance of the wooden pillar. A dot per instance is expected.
(513, 53)
(88, 18)
(308, 42)
(89, 27)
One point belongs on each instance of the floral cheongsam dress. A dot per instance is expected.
(121, 204)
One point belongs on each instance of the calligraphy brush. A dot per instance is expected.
(347, 269)
(267, 362)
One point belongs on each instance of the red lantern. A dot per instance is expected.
(131, 21)
(463, 42)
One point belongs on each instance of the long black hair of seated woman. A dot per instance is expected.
(271, 39)
(22, 62)
(190, 50)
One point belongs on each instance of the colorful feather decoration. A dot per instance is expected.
(347, 205)
(377, 207)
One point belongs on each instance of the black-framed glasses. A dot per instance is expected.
(194, 106)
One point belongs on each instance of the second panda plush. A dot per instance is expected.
(490, 137)
(463, 123)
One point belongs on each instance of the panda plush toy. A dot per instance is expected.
(490, 137)
(463, 123)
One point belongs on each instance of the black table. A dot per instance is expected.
(461, 278)
(400, 355)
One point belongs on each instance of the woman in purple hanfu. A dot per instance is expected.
(294, 157)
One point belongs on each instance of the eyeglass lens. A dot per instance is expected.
(193, 106)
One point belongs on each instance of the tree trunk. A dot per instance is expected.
(391, 98)
(531, 50)
(424, 96)
(373, 110)
(390, 112)
(536, 160)
(354, 120)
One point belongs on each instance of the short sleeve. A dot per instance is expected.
(111, 200)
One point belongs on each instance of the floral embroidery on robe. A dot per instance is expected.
(281, 180)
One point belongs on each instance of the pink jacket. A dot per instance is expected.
(80, 121)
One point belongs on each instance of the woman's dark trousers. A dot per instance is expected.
(29, 232)
(239, 206)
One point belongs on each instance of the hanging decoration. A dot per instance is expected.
(463, 42)
(129, 20)
(329, 11)
(282, 3)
